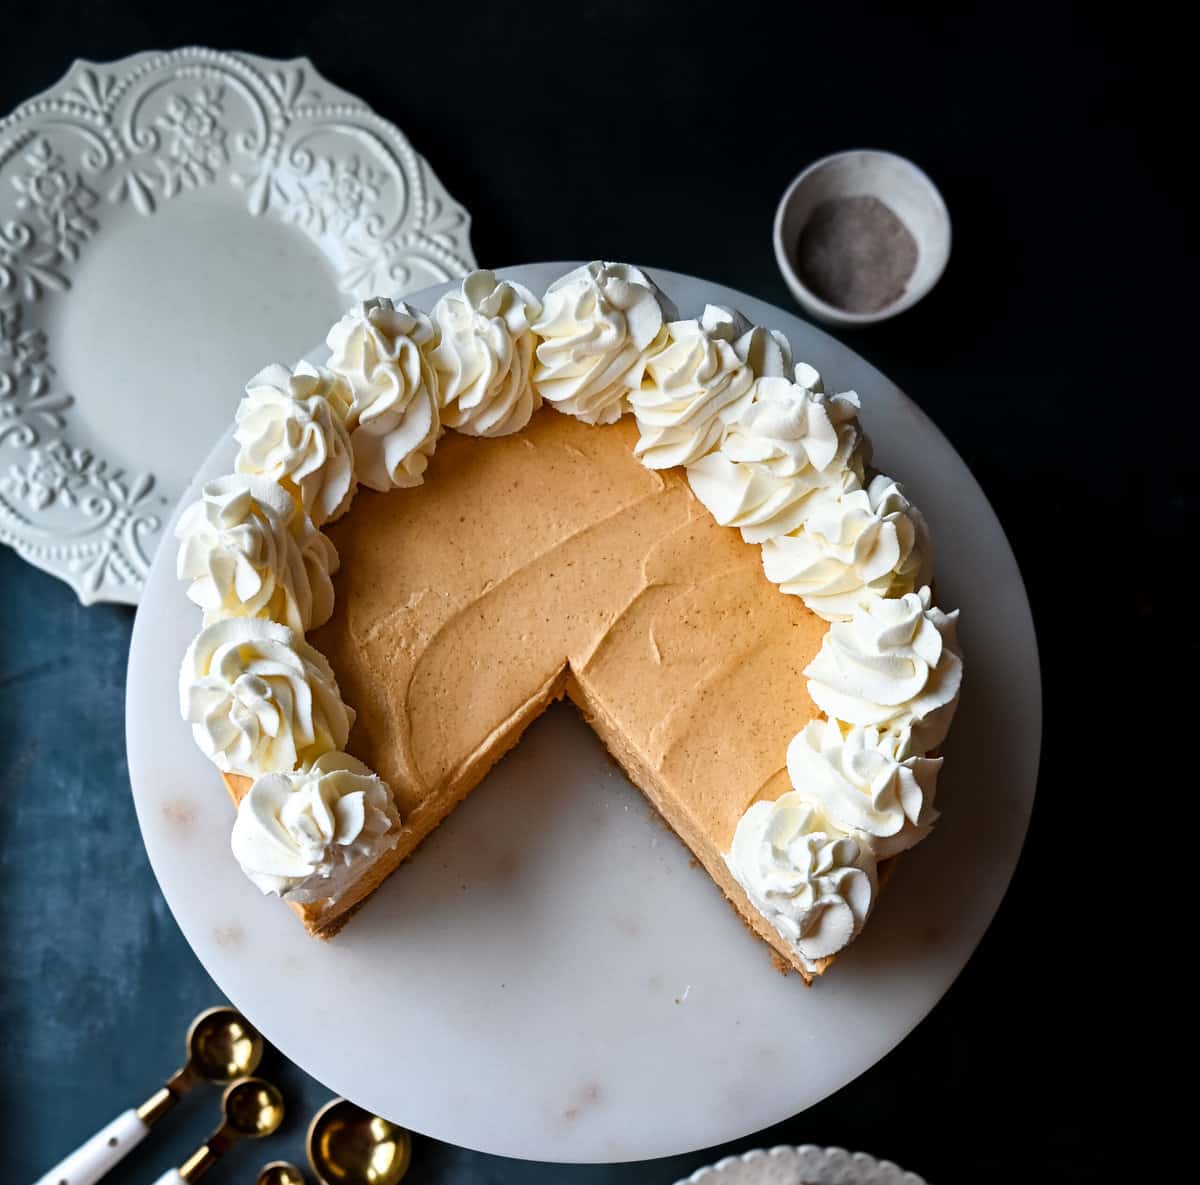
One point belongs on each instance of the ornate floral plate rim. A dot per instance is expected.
(787, 1164)
(125, 139)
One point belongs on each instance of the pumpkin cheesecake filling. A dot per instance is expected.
(549, 562)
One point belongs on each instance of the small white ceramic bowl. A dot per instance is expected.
(896, 182)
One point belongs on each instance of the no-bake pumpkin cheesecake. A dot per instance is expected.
(738, 606)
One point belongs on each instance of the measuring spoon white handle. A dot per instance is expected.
(170, 1177)
(89, 1162)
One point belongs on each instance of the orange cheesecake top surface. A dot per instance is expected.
(461, 604)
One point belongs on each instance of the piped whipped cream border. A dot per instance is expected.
(764, 448)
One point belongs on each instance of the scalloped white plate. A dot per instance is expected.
(803, 1165)
(169, 223)
(549, 977)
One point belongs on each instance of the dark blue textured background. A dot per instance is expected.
(665, 134)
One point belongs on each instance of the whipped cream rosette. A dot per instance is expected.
(787, 441)
(691, 390)
(599, 325)
(304, 834)
(483, 358)
(250, 551)
(866, 781)
(260, 699)
(814, 883)
(791, 427)
(378, 348)
(856, 543)
(894, 665)
(291, 429)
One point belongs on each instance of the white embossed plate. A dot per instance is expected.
(168, 224)
(550, 977)
(802, 1165)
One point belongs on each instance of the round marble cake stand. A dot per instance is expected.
(549, 977)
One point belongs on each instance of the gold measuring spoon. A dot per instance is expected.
(252, 1108)
(279, 1172)
(221, 1045)
(350, 1146)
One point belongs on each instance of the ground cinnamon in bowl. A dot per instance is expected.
(855, 254)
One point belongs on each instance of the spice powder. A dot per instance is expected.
(856, 254)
